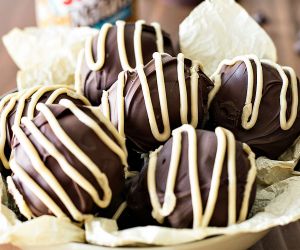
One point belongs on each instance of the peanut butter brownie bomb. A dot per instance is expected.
(196, 179)
(148, 104)
(68, 161)
(258, 101)
(15, 105)
(117, 48)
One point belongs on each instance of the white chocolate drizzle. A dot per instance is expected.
(33, 96)
(251, 110)
(39, 166)
(22, 205)
(160, 136)
(201, 218)
(95, 65)
(6, 105)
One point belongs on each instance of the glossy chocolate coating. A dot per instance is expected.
(95, 82)
(138, 199)
(11, 118)
(266, 137)
(84, 137)
(137, 126)
(43, 99)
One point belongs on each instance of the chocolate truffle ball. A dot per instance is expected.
(68, 161)
(117, 48)
(258, 101)
(148, 104)
(198, 178)
(15, 105)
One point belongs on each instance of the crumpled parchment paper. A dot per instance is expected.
(222, 29)
(46, 55)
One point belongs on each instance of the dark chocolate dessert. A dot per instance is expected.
(258, 101)
(148, 104)
(197, 179)
(117, 48)
(18, 104)
(68, 161)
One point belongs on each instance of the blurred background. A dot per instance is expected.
(280, 18)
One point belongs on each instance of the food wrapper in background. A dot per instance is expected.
(222, 29)
(81, 12)
(46, 56)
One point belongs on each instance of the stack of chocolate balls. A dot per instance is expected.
(157, 143)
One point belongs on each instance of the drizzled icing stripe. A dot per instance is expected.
(6, 105)
(22, 101)
(183, 91)
(19, 99)
(66, 167)
(91, 123)
(36, 189)
(40, 167)
(105, 104)
(57, 91)
(87, 53)
(22, 205)
(250, 181)
(251, 110)
(103, 119)
(226, 142)
(100, 49)
(82, 157)
(162, 97)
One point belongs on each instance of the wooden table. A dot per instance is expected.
(283, 26)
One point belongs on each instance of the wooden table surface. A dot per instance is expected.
(283, 26)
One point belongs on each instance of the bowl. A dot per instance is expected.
(233, 242)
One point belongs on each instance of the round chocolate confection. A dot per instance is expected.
(18, 104)
(115, 49)
(148, 104)
(68, 161)
(258, 101)
(198, 178)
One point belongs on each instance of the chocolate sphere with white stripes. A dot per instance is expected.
(258, 100)
(69, 161)
(117, 47)
(196, 179)
(148, 104)
(15, 105)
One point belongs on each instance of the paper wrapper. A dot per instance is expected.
(222, 29)
(46, 56)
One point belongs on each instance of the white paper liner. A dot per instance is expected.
(222, 29)
(273, 171)
(46, 56)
